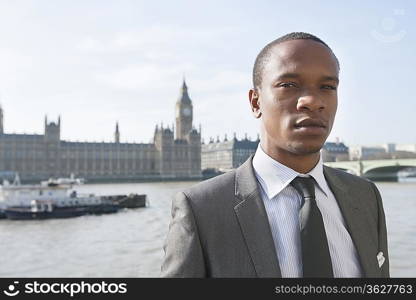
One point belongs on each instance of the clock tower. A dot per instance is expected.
(184, 113)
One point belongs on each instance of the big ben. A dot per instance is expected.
(184, 113)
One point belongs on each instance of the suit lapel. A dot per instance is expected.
(255, 227)
(254, 222)
(355, 218)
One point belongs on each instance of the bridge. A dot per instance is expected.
(384, 169)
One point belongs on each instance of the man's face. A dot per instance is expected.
(298, 96)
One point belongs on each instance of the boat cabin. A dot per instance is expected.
(41, 206)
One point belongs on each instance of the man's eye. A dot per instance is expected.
(287, 84)
(329, 87)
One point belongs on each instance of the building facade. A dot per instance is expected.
(367, 152)
(222, 156)
(225, 155)
(334, 151)
(385, 151)
(401, 147)
(41, 156)
(1, 120)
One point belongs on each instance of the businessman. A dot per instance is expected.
(283, 213)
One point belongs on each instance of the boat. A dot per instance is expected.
(127, 201)
(43, 209)
(59, 199)
(66, 180)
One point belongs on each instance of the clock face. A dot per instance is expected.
(186, 111)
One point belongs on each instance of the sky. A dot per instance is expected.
(98, 62)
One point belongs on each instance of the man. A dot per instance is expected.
(282, 213)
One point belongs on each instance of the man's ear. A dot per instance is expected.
(253, 97)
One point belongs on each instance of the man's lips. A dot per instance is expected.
(311, 126)
(310, 123)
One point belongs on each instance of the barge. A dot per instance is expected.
(52, 199)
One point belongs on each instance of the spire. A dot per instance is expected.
(1, 120)
(184, 97)
(184, 83)
(117, 134)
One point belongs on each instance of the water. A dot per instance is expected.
(129, 243)
(399, 200)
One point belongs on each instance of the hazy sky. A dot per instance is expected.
(96, 62)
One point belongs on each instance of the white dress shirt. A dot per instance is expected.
(283, 203)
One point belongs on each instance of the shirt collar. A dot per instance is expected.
(274, 176)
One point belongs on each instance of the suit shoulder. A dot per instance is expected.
(348, 177)
(357, 188)
(212, 193)
(211, 187)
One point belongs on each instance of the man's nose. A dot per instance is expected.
(311, 102)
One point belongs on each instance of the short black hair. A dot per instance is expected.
(264, 54)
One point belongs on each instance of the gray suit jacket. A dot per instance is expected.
(219, 227)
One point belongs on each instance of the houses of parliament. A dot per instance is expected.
(174, 154)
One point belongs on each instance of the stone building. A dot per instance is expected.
(335, 151)
(359, 152)
(398, 147)
(221, 156)
(1, 120)
(42, 156)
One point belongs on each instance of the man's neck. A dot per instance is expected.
(300, 163)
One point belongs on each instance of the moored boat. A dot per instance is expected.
(127, 201)
(52, 199)
(43, 209)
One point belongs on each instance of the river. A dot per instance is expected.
(129, 243)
